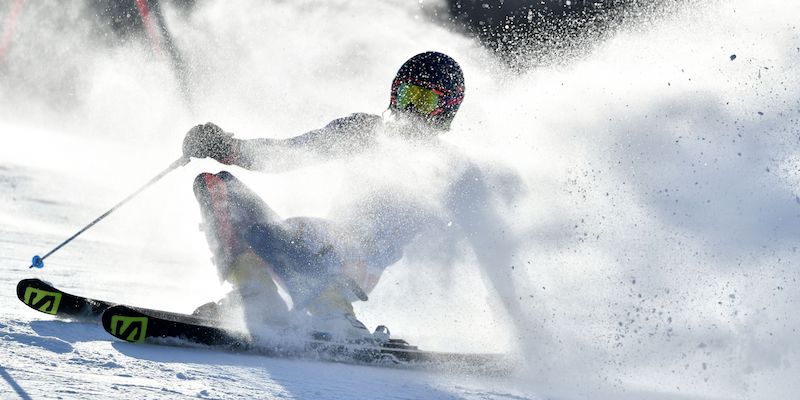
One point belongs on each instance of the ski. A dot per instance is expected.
(165, 328)
(44, 297)
(140, 325)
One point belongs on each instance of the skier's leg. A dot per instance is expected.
(303, 253)
(300, 263)
(258, 293)
(332, 311)
(228, 209)
(306, 256)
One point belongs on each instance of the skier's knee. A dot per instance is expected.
(201, 181)
(207, 181)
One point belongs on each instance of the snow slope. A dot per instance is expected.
(43, 357)
(654, 202)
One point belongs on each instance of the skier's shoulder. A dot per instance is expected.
(357, 122)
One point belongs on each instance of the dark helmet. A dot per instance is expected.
(430, 85)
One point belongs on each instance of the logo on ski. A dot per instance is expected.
(131, 329)
(42, 300)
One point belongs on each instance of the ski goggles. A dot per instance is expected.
(420, 99)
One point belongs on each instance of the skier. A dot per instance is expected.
(326, 264)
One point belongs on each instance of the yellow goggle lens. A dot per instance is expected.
(417, 98)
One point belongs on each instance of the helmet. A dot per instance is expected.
(429, 85)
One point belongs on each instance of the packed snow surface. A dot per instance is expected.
(651, 192)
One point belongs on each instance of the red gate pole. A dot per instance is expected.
(8, 27)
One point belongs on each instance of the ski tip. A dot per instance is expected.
(37, 262)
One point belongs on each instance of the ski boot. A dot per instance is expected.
(255, 294)
(333, 318)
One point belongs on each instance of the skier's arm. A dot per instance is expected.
(339, 138)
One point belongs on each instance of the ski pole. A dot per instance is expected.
(38, 262)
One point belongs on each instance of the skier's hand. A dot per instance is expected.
(209, 140)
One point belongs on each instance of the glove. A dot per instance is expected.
(208, 140)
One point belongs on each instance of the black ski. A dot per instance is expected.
(157, 327)
(43, 297)
(135, 324)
